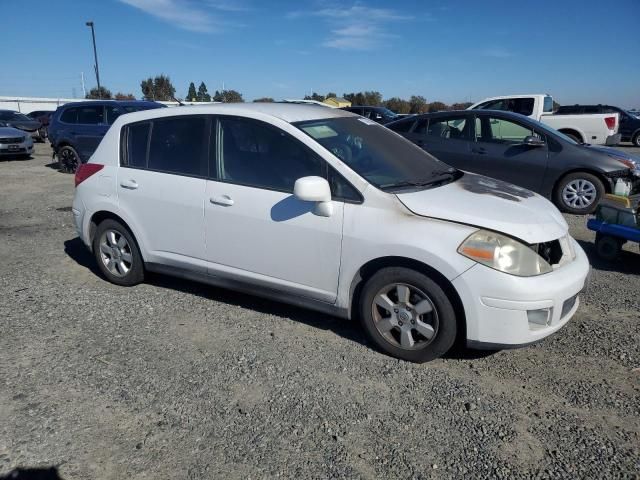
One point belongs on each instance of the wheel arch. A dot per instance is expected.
(606, 181)
(102, 215)
(572, 131)
(367, 270)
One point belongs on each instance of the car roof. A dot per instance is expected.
(109, 102)
(289, 112)
(446, 113)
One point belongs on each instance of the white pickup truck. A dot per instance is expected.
(597, 128)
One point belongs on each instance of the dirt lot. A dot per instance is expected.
(172, 379)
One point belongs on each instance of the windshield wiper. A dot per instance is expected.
(438, 176)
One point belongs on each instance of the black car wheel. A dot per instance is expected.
(608, 248)
(68, 159)
(407, 315)
(579, 193)
(636, 139)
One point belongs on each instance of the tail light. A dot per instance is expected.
(611, 122)
(85, 170)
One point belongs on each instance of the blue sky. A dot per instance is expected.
(576, 50)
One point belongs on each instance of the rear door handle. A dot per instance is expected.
(129, 184)
(479, 150)
(224, 200)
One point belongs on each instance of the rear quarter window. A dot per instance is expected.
(135, 141)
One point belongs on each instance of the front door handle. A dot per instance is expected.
(129, 184)
(479, 150)
(224, 200)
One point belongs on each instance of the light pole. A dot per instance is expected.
(95, 55)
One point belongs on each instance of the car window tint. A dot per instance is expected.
(450, 128)
(592, 109)
(523, 106)
(421, 126)
(92, 115)
(70, 115)
(402, 126)
(256, 154)
(137, 141)
(341, 189)
(112, 114)
(179, 145)
(498, 130)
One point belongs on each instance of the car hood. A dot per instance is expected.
(10, 132)
(29, 126)
(492, 204)
(612, 152)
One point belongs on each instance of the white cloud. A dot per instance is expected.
(354, 28)
(187, 15)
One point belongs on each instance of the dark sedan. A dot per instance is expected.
(522, 151)
(10, 118)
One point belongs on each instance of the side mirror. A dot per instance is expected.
(315, 189)
(532, 141)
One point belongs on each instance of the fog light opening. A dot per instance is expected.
(540, 317)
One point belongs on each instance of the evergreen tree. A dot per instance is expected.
(192, 95)
(203, 95)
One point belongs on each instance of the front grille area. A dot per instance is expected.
(12, 140)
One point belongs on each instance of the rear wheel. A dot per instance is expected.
(407, 315)
(608, 247)
(636, 139)
(117, 254)
(573, 136)
(68, 159)
(579, 193)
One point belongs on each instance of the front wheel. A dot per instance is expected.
(579, 193)
(117, 254)
(407, 315)
(636, 139)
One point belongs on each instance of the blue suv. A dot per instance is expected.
(75, 129)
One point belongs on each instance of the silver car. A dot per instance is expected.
(15, 142)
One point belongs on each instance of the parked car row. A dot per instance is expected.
(17, 120)
(596, 128)
(326, 209)
(76, 129)
(522, 151)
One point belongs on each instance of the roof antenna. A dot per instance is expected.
(176, 100)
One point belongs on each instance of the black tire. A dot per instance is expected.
(636, 139)
(573, 136)
(68, 159)
(574, 179)
(118, 275)
(441, 319)
(608, 247)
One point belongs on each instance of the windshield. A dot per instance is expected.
(553, 132)
(15, 116)
(386, 113)
(379, 155)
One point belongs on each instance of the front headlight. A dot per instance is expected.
(503, 253)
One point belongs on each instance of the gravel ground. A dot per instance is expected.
(172, 379)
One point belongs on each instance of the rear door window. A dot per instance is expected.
(112, 113)
(402, 126)
(449, 128)
(91, 115)
(70, 115)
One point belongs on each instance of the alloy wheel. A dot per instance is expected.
(115, 253)
(69, 160)
(579, 193)
(405, 316)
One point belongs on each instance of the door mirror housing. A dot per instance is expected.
(532, 141)
(317, 190)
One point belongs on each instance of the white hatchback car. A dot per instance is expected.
(325, 209)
